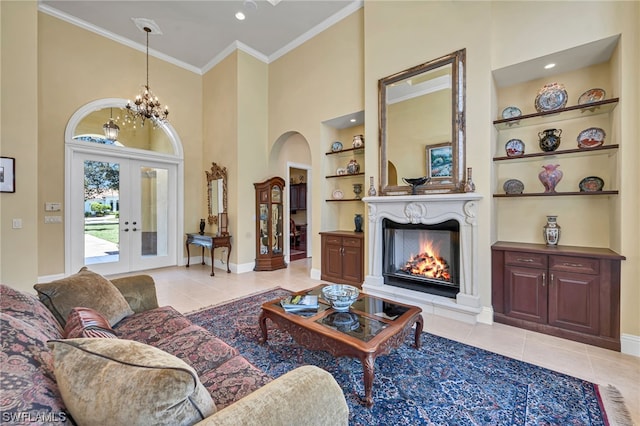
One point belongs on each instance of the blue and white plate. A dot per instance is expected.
(336, 146)
(511, 112)
(551, 97)
(514, 148)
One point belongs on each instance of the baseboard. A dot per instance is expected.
(315, 274)
(486, 315)
(630, 344)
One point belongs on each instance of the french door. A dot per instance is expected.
(123, 213)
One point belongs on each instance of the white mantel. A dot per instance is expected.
(429, 210)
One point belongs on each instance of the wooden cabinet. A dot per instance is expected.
(569, 292)
(342, 257)
(270, 232)
(298, 197)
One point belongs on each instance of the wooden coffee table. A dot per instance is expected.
(372, 327)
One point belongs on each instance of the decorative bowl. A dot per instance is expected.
(340, 296)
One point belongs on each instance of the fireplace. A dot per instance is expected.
(422, 257)
(397, 227)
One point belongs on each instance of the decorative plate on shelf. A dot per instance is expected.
(336, 146)
(591, 137)
(337, 194)
(514, 148)
(591, 95)
(341, 171)
(551, 97)
(591, 184)
(511, 112)
(513, 186)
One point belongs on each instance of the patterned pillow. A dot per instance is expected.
(86, 322)
(88, 289)
(117, 381)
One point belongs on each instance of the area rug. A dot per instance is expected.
(443, 383)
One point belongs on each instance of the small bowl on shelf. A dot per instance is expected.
(340, 296)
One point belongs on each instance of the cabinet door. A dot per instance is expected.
(294, 191)
(574, 301)
(352, 264)
(302, 196)
(332, 258)
(526, 293)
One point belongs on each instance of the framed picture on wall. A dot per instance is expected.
(440, 162)
(7, 174)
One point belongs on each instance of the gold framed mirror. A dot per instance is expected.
(216, 192)
(422, 127)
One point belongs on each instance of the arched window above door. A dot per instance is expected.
(87, 126)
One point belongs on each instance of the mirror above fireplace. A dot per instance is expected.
(422, 126)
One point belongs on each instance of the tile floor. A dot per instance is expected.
(189, 289)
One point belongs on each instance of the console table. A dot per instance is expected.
(211, 242)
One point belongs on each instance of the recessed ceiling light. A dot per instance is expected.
(353, 120)
(549, 66)
(240, 16)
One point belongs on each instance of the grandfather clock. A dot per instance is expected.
(269, 225)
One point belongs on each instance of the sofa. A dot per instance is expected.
(141, 364)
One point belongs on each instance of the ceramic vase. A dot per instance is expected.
(353, 167)
(469, 186)
(357, 220)
(357, 189)
(372, 189)
(550, 177)
(358, 141)
(202, 225)
(549, 139)
(551, 231)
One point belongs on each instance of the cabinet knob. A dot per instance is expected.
(544, 279)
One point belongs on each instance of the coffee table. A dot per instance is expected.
(372, 327)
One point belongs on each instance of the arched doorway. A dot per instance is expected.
(123, 211)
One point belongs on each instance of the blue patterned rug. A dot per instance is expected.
(442, 383)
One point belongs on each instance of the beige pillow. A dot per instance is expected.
(124, 382)
(87, 289)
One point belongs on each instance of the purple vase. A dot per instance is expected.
(550, 177)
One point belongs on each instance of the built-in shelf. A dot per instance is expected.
(345, 199)
(344, 176)
(342, 151)
(577, 152)
(568, 113)
(556, 194)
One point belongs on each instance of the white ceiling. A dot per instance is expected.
(198, 34)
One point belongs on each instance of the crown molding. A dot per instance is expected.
(118, 39)
(236, 45)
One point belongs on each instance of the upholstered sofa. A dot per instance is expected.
(159, 368)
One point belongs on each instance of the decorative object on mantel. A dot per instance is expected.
(353, 167)
(357, 220)
(591, 137)
(357, 189)
(414, 183)
(549, 139)
(511, 112)
(551, 97)
(550, 177)
(514, 148)
(372, 189)
(147, 106)
(358, 141)
(202, 225)
(469, 186)
(591, 184)
(591, 96)
(336, 146)
(551, 231)
(513, 186)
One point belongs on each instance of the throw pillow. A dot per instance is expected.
(124, 382)
(86, 322)
(88, 289)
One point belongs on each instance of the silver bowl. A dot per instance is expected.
(340, 296)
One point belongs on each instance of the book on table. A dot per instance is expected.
(300, 302)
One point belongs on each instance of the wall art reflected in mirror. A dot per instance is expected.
(422, 126)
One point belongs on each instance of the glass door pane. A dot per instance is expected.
(101, 212)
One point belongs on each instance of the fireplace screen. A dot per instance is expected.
(422, 257)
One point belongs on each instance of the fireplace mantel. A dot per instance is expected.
(428, 209)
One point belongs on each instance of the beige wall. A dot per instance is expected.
(19, 139)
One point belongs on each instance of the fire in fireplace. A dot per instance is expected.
(422, 257)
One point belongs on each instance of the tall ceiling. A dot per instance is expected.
(197, 34)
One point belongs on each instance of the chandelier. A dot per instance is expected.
(146, 105)
(110, 128)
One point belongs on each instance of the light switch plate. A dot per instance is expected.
(52, 207)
